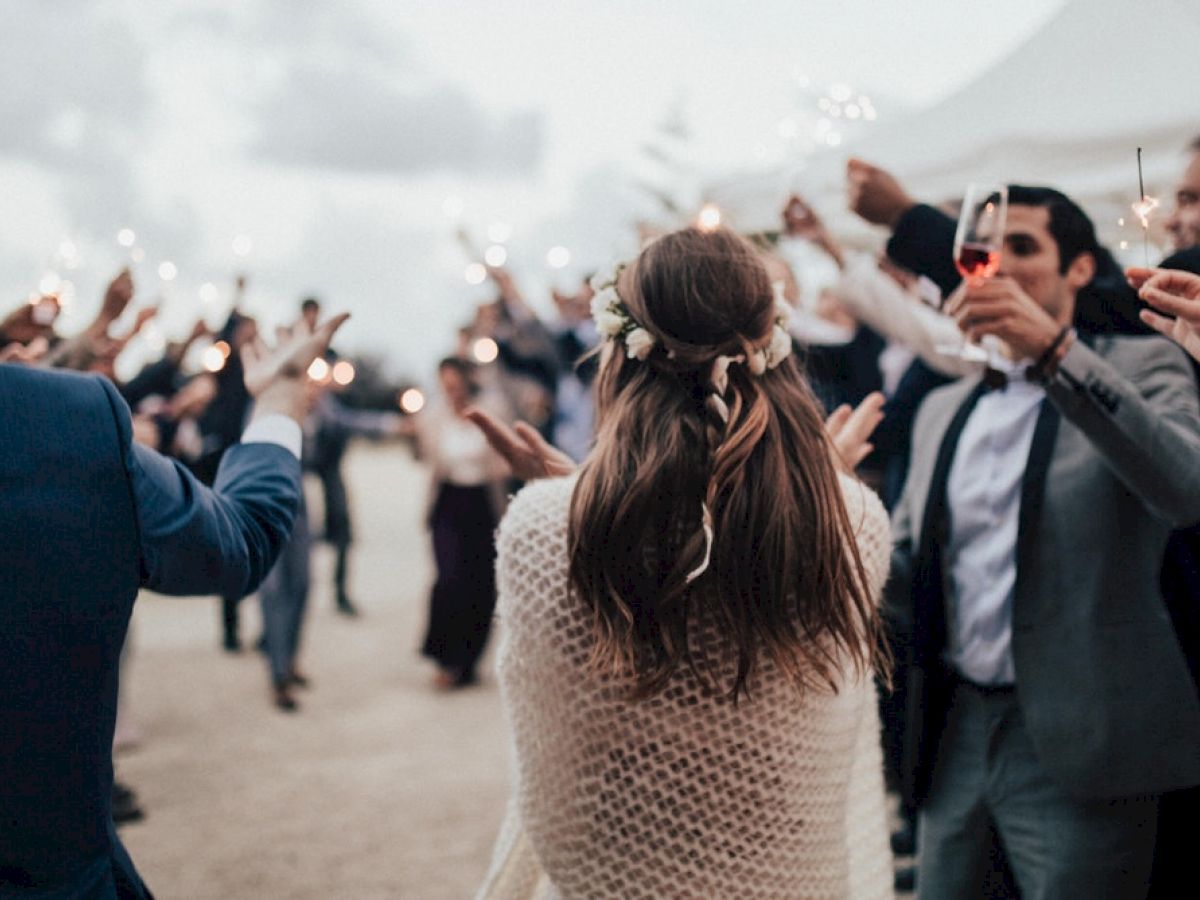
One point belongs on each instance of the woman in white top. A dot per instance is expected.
(465, 497)
(689, 621)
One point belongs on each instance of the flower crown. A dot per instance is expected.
(614, 322)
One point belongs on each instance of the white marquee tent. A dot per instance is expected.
(1067, 108)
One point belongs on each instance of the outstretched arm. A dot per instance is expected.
(200, 541)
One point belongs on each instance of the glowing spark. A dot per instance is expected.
(476, 273)
(126, 237)
(242, 245)
(495, 256)
(343, 372)
(1143, 208)
(318, 370)
(558, 257)
(167, 271)
(485, 350)
(214, 359)
(50, 283)
(709, 218)
(412, 401)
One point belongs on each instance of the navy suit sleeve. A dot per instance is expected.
(197, 540)
(923, 242)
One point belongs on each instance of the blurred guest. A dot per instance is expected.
(574, 335)
(1183, 224)
(330, 427)
(220, 425)
(466, 499)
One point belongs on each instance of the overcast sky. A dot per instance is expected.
(347, 141)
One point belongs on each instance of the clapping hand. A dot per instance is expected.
(529, 455)
(850, 430)
(1175, 293)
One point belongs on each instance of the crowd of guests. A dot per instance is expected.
(703, 552)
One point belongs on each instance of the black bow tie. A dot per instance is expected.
(994, 379)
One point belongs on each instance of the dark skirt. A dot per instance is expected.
(464, 595)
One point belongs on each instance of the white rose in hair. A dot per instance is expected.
(603, 300)
(780, 347)
(609, 324)
(639, 343)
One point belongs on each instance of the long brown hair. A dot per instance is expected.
(785, 581)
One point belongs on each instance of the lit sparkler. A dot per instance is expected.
(1143, 208)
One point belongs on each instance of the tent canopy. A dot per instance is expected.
(1068, 109)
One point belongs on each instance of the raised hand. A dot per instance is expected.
(116, 297)
(24, 354)
(801, 220)
(875, 194)
(30, 320)
(1178, 295)
(528, 454)
(850, 430)
(276, 378)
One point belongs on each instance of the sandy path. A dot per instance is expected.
(379, 787)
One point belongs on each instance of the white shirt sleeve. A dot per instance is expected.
(275, 429)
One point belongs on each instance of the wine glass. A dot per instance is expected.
(978, 243)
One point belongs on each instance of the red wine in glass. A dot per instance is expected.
(977, 261)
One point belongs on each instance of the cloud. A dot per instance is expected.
(359, 119)
(75, 80)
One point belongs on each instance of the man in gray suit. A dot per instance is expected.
(1050, 701)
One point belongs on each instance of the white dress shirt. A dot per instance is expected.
(275, 429)
(984, 501)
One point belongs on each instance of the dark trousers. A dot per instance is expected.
(464, 595)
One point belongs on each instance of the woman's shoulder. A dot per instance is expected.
(541, 507)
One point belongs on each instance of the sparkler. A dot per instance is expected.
(1143, 208)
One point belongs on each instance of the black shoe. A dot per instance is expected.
(346, 607)
(904, 840)
(231, 643)
(905, 880)
(125, 808)
(284, 700)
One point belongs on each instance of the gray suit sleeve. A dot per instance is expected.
(1146, 425)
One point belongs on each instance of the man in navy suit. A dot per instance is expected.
(88, 518)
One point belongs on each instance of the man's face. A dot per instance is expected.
(1031, 258)
(1184, 222)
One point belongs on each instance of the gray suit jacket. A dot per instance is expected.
(1102, 682)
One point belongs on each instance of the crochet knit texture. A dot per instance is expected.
(683, 794)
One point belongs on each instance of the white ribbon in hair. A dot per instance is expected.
(718, 376)
(707, 521)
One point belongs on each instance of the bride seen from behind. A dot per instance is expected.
(690, 630)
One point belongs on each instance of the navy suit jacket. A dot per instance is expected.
(87, 517)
